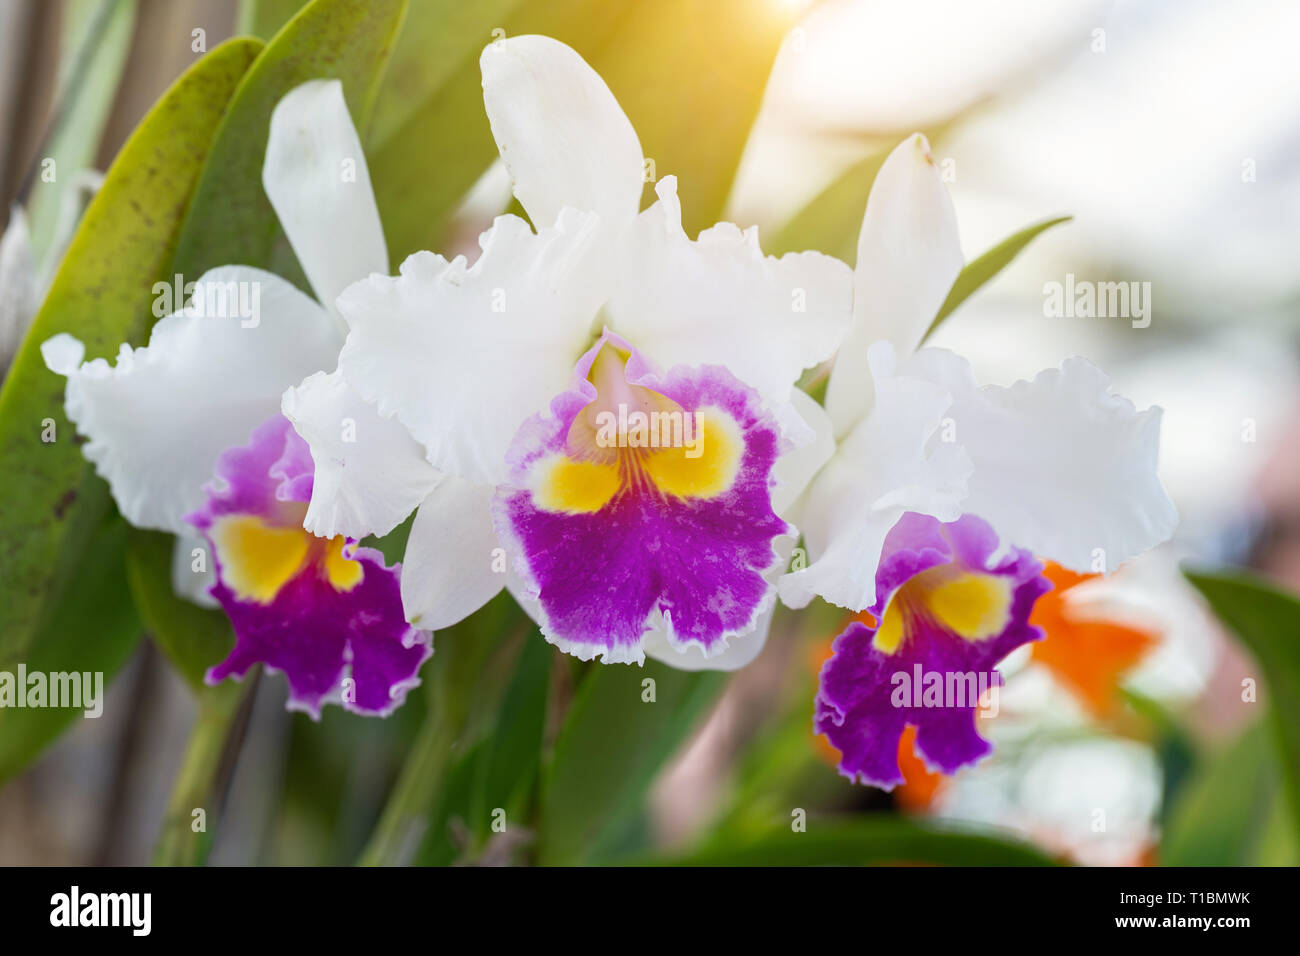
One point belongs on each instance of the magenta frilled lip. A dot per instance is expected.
(325, 613)
(951, 607)
(609, 536)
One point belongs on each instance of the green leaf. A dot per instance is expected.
(867, 841)
(691, 77)
(265, 18)
(193, 638)
(979, 271)
(93, 629)
(94, 45)
(505, 774)
(1228, 815)
(611, 746)
(431, 142)
(101, 294)
(831, 221)
(1267, 621)
(230, 221)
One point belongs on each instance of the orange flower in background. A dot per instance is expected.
(1085, 652)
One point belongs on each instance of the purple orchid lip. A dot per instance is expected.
(611, 534)
(324, 612)
(950, 608)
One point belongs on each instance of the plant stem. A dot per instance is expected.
(199, 784)
(410, 805)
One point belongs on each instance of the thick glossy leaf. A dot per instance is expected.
(1267, 621)
(265, 18)
(1228, 815)
(871, 840)
(102, 294)
(192, 637)
(691, 77)
(979, 271)
(231, 220)
(431, 140)
(612, 744)
(93, 629)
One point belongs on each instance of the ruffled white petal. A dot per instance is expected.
(316, 177)
(1061, 466)
(462, 356)
(369, 472)
(561, 133)
(795, 469)
(883, 468)
(157, 421)
(719, 300)
(193, 574)
(909, 255)
(453, 565)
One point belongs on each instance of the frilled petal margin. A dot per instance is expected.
(613, 526)
(952, 606)
(324, 612)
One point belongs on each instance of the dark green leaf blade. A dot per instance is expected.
(1267, 621)
(102, 294)
(612, 744)
(868, 841)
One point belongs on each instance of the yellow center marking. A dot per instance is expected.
(707, 467)
(971, 604)
(575, 487)
(258, 559)
(342, 573)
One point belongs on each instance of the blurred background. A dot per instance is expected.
(1168, 129)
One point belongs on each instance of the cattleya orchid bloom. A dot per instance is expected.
(612, 402)
(940, 535)
(188, 433)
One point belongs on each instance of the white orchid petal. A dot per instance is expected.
(561, 133)
(451, 567)
(369, 472)
(1061, 466)
(883, 468)
(463, 356)
(157, 421)
(909, 255)
(19, 289)
(719, 300)
(796, 468)
(316, 177)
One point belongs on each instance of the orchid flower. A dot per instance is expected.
(939, 537)
(612, 402)
(188, 433)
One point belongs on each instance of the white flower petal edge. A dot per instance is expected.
(462, 356)
(739, 650)
(316, 177)
(158, 420)
(909, 255)
(369, 472)
(451, 567)
(19, 290)
(883, 468)
(719, 300)
(795, 469)
(560, 132)
(1061, 466)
